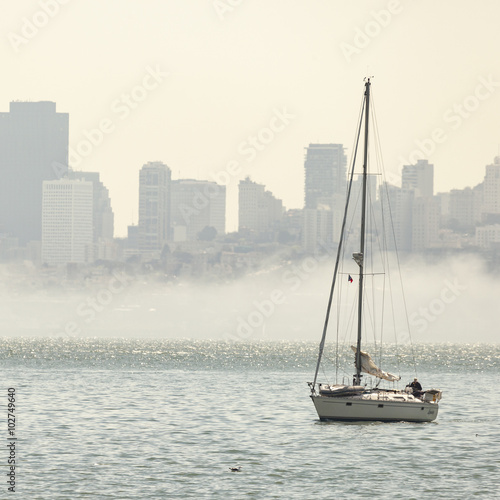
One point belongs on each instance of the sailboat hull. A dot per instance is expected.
(356, 409)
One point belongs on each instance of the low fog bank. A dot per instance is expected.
(449, 300)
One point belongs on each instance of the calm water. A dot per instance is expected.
(165, 419)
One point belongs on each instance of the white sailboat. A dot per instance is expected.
(363, 400)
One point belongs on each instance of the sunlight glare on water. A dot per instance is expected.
(166, 419)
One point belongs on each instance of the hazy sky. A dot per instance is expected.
(190, 82)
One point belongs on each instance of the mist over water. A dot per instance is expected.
(448, 300)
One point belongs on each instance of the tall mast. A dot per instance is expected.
(359, 258)
(339, 253)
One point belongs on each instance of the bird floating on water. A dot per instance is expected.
(235, 469)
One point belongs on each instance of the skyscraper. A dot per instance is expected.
(491, 189)
(195, 205)
(67, 221)
(154, 207)
(317, 229)
(258, 209)
(397, 209)
(33, 148)
(425, 223)
(325, 174)
(102, 212)
(464, 209)
(419, 177)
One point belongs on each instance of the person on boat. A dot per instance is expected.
(417, 388)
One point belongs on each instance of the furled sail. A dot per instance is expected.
(368, 366)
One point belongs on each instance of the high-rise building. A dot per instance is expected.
(67, 218)
(464, 210)
(354, 209)
(491, 189)
(325, 174)
(317, 229)
(444, 201)
(419, 177)
(154, 207)
(196, 205)
(33, 149)
(487, 237)
(425, 223)
(258, 209)
(397, 210)
(103, 217)
(103, 213)
(291, 225)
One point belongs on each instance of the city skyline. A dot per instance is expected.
(175, 210)
(59, 171)
(191, 85)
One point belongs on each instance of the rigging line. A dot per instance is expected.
(351, 273)
(381, 241)
(345, 240)
(377, 240)
(337, 336)
(387, 267)
(349, 325)
(368, 317)
(342, 257)
(325, 374)
(392, 309)
(384, 246)
(348, 322)
(355, 205)
(340, 294)
(383, 252)
(391, 219)
(371, 225)
(339, 251)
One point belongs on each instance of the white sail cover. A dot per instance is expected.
(368, 366)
